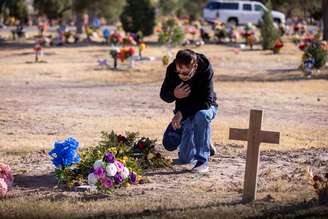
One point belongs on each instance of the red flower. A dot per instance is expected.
(121, 139)
(278, 44)
(37, 47)
(317, 178)
(141, 145)
(132, 51)
(302, 46)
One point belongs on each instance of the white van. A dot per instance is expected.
(238, 12)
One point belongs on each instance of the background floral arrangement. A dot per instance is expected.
(6, 179)
(278, 45)
(131, 156)
(317, 50)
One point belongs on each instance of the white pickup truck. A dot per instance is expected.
(238, 12)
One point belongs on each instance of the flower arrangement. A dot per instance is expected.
(278, 45)
(6, 179)
(115, 39)
(249, 34)
(122, 54)
(320, 185)
(306, 42)
(110, 173)
(129, 154)
(64, 155)
(316, 50)
(126, 53)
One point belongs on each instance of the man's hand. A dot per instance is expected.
(182, 91)
(176, 121)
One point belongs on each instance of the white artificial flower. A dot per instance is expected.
(111, 169)
(125, 173)
(98, 163)
(92, 179)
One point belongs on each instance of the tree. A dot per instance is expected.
(138, 15)
(17, 9)
(167, 7)
(325, 19)
(110, 9)
(53, 9)
(192, 9)
(268, 31)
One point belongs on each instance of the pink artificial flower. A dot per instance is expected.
(106, 182)
(119, 166)
(5, 173)
(3, 188)
(99, 172)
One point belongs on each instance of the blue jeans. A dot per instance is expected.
(194, 137)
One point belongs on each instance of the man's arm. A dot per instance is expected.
(167, 89)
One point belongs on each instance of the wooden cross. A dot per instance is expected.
(254, 135)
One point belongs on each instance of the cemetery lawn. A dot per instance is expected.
(71, 96)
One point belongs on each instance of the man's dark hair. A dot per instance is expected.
(185, 57)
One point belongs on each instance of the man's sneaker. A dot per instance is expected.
(200, 168)
(212, 150)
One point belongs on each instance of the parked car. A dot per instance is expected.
(238, 12)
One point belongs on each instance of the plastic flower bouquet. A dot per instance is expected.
(6, 179)
(110, 173)
(317, 51)
(115, 38)
(277, 46)
(64, 156)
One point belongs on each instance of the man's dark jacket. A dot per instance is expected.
(202, 95)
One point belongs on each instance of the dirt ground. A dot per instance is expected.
(71, 95)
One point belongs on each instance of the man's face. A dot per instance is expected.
(185, 72)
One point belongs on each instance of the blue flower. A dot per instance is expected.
(64, 153)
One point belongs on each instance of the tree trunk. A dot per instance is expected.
(325, 19)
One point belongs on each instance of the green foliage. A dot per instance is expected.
(110, 9)
(138, 15)
(192, 9)
(171, 33)
(167, 7)
(52, 8)
(316, 51)
(268, 31)
(17, 9)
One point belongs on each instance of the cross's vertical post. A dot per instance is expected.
(252, 157)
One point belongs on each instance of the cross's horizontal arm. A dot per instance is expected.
(269, 137)
(238, 134)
